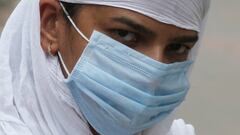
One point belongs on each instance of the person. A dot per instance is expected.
(89, 67)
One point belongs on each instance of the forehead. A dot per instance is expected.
(112, 15)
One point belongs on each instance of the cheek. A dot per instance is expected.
(76, 45)
(86, 22)
(71, 46)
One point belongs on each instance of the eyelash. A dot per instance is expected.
(175, 51)
(178, 49)
(125, 36)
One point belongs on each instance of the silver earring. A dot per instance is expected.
(50, 51)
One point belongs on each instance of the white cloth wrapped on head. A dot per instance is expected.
(187, 14)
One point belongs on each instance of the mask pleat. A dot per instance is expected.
(149, 83)
(123, 88)
(112, 86)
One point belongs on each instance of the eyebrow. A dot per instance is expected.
(185, 39)
(142, 29)
(134, 25)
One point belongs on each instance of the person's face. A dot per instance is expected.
(162, 42)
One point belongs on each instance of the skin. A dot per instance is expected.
(159, 41)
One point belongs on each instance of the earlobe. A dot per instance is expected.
(49, 12)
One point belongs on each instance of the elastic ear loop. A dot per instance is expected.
(76, 28)
(72, 22)
(64, 66)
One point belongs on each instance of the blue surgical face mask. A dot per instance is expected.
(121, 91)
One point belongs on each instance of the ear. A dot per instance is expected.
(50, 13)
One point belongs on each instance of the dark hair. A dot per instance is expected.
(71, 9)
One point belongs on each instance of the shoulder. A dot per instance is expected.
(12, 128)
(179, 127)
(10, 124)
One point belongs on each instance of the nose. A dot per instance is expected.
(156, 52)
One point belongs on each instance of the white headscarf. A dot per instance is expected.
(186, 14)
(33, 97)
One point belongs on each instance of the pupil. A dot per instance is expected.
(176, 46)
(122, 33)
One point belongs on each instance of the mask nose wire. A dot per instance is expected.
(76, 28)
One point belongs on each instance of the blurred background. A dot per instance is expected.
(213, 103)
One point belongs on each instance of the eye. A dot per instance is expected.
(178, 52)
(179, 49)
(124, 36)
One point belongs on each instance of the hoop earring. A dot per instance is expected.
(50, 50)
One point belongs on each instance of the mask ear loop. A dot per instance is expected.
(64, 66)
(76, 28)
(72, 22)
